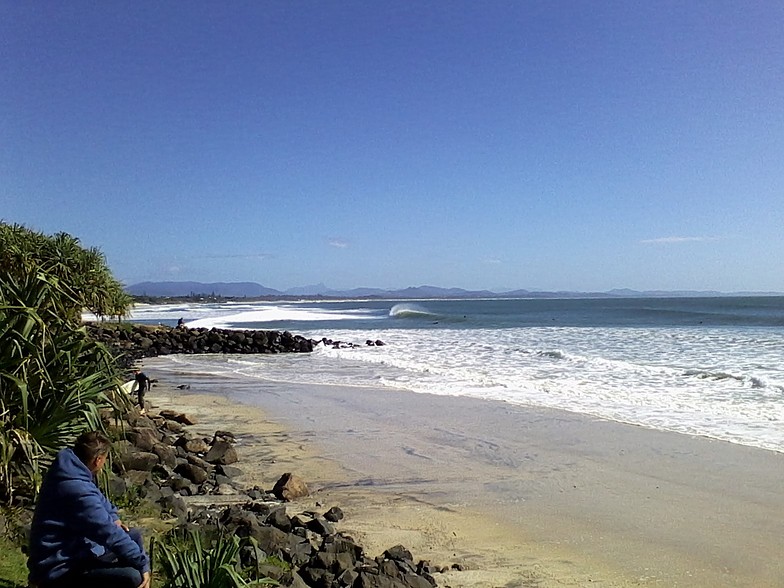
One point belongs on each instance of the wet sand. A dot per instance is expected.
(520, 496)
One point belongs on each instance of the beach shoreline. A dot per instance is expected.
(518, 496)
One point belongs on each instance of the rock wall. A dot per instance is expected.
(134, 341)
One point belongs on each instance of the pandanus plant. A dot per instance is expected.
(53, 377)
(53, 380)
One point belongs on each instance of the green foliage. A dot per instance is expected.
(53, 376)
(25, 253)
(13, 564)
(187, 563)
(130, 500)
(274, 560)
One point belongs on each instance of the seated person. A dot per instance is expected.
(77, 538)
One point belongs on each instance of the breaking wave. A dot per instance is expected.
(408, 310)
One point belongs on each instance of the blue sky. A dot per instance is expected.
(541, 145)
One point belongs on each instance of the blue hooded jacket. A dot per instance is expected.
(74, 523)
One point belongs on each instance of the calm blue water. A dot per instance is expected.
(702, 366)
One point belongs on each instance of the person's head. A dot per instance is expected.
(92, 449)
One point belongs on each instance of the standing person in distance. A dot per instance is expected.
(143, 384)
(77, 539)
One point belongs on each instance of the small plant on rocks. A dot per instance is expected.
(186, 562)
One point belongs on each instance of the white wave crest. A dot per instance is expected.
(409, 310)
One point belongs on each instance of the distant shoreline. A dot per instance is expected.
(215, 298)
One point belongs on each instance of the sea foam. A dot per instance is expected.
(725, 382)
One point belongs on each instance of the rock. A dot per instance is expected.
(337, 563)
(317, 576)
(144, 438)
(139, 460)
(298, 582)
(224, 435)
(230, 471)
(194, 473)
(334, 514)
(187, 419)
(222, 453)
(178, 482)
(278, 518)
(255, 494)
(138, 478)
(321, 526)
(425, 567)
(199, 462)
(272, 540)
(387, 567)
(173, 426)
(300, 550)
(399, 553)
(369, 580)
(150, 491)
(416, 581)
(348, 578)
(301, 520)
(140, 421)
(146, 341)
(166, 454)
(342, 544)
(174, 505)
(290, 487)
(196, 446)
(178, 417)
(117, 485)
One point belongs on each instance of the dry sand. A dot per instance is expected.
(521, 497)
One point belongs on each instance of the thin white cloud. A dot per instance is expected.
(337, 242)
(256, 256)
(493, 261)
(669, 240)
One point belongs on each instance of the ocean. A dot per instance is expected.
(712, 367)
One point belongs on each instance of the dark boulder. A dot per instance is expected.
(278, 518)
(194, 473)
(334, 514)
(222, 453)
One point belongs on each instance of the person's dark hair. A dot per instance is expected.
(90, 445)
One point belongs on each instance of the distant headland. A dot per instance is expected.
(253, 290)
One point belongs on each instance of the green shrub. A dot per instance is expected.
(187, 563)
(13, 561)
(53, 376)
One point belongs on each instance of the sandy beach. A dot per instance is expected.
(519, 496)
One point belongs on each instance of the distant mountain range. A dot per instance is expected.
(254, 290)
